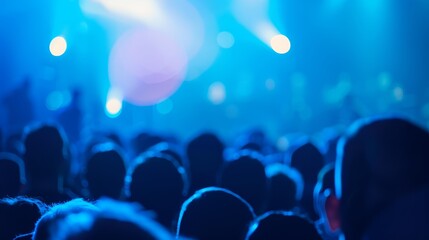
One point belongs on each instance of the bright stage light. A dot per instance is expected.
(280, 44)
(113, 107)
(114, 103)
(254, 15)
(58, 46)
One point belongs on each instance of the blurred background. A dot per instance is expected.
(184, 66)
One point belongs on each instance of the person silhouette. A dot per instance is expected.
(159, 184)
(205, 156)
(282, 225)
(214, 213)
(44, 159)
(71, 117)
(19, 215)
(105, 172)
(245, 176)
(19, 107)
(382, 180)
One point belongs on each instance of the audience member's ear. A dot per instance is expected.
(332, 209)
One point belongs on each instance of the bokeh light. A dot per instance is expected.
(147, 66)
(165, 107)
(225, 40)
(283, 143)
(280, 44)
(270, 84)
(398, 93)
(58, 46)
(385, 80)
(217, 93)
(54, 101)
(57, 100)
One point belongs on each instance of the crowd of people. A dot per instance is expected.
(375, 185)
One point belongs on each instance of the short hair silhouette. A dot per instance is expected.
(308, 160)
(171, 150)
(44, 151)
(380, 160)
(45, 164)
(46, 225)
(245, 176)
(12, 175)
(144, 140)
(114, 220)
(159, 184)
(214, 213)
(19, 216)
(254, 140)
(285, 187)
(205, 156)
(105, 171)
(282, 225)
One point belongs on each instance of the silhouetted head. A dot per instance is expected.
(173, 151)
(380, 160)
(245, 176)
(113, 220)
(159, 184)
(105, 172)
(285, 187)
(44, 152)
(205, 156)
(48, 223)
(214, 213)
(254, 140)
(92, 139)
(308, 160)
(282, 225)
(12, 175)
(145, 140)
(19, 216)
